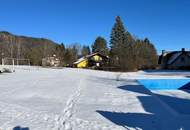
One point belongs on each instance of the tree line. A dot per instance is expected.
(21, 47)
(126, 52)
(129, 53)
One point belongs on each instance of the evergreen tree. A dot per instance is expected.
(117, 36)
(146, 55)
(85, 50)
(152, 57)
(128, 62)
(121, 44)
(100, 45)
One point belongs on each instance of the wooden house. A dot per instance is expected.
(95, 60)
(51, 61)
(175, 59)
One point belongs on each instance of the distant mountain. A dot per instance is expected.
(14, 46)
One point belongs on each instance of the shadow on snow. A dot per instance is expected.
(20, 128)
(136, 88)
(159, 115)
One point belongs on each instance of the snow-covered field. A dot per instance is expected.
(76, 99)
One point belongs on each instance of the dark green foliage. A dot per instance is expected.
(117, 40)
(85, 50)
(100, 45)
(121, 44)
(128, 54)
(117, 34)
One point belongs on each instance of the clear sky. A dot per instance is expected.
(165, 22)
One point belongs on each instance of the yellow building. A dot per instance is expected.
(96, 60)
(81, 63)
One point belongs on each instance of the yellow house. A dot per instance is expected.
(81, 63)
(94, 60)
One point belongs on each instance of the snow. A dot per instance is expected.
(78, 99)
(79, 60)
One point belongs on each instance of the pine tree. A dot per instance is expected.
(121, 44)
(100, 45)
(117, 35)
(116, 40)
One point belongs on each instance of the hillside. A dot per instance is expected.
(25, 47)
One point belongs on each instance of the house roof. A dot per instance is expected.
(186, 53)
(80, 60)
(173, 56)
(88, 56)
(97, 53)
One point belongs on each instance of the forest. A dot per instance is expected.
(126, 52)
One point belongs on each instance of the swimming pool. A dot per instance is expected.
(163, 84)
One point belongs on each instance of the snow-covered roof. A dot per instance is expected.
(97, 53)
(80, 60)
(88, 56)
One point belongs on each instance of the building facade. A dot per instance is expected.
(175, 59)
(51, 61)
(95, 60)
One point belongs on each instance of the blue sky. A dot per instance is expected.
(164, 22)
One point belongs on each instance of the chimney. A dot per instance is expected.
(163, 52)
(183, 49)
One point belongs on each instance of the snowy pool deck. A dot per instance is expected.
(75, 99)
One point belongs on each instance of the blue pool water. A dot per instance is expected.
(163, 84)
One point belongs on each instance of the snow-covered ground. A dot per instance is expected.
(76, 99)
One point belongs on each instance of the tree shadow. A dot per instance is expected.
(186, 90)
(181, 105)
(20, 128)
(160, 112)
(134, 120)
(116, 78)
(185, 87)
(136, 88)
(145, 121)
